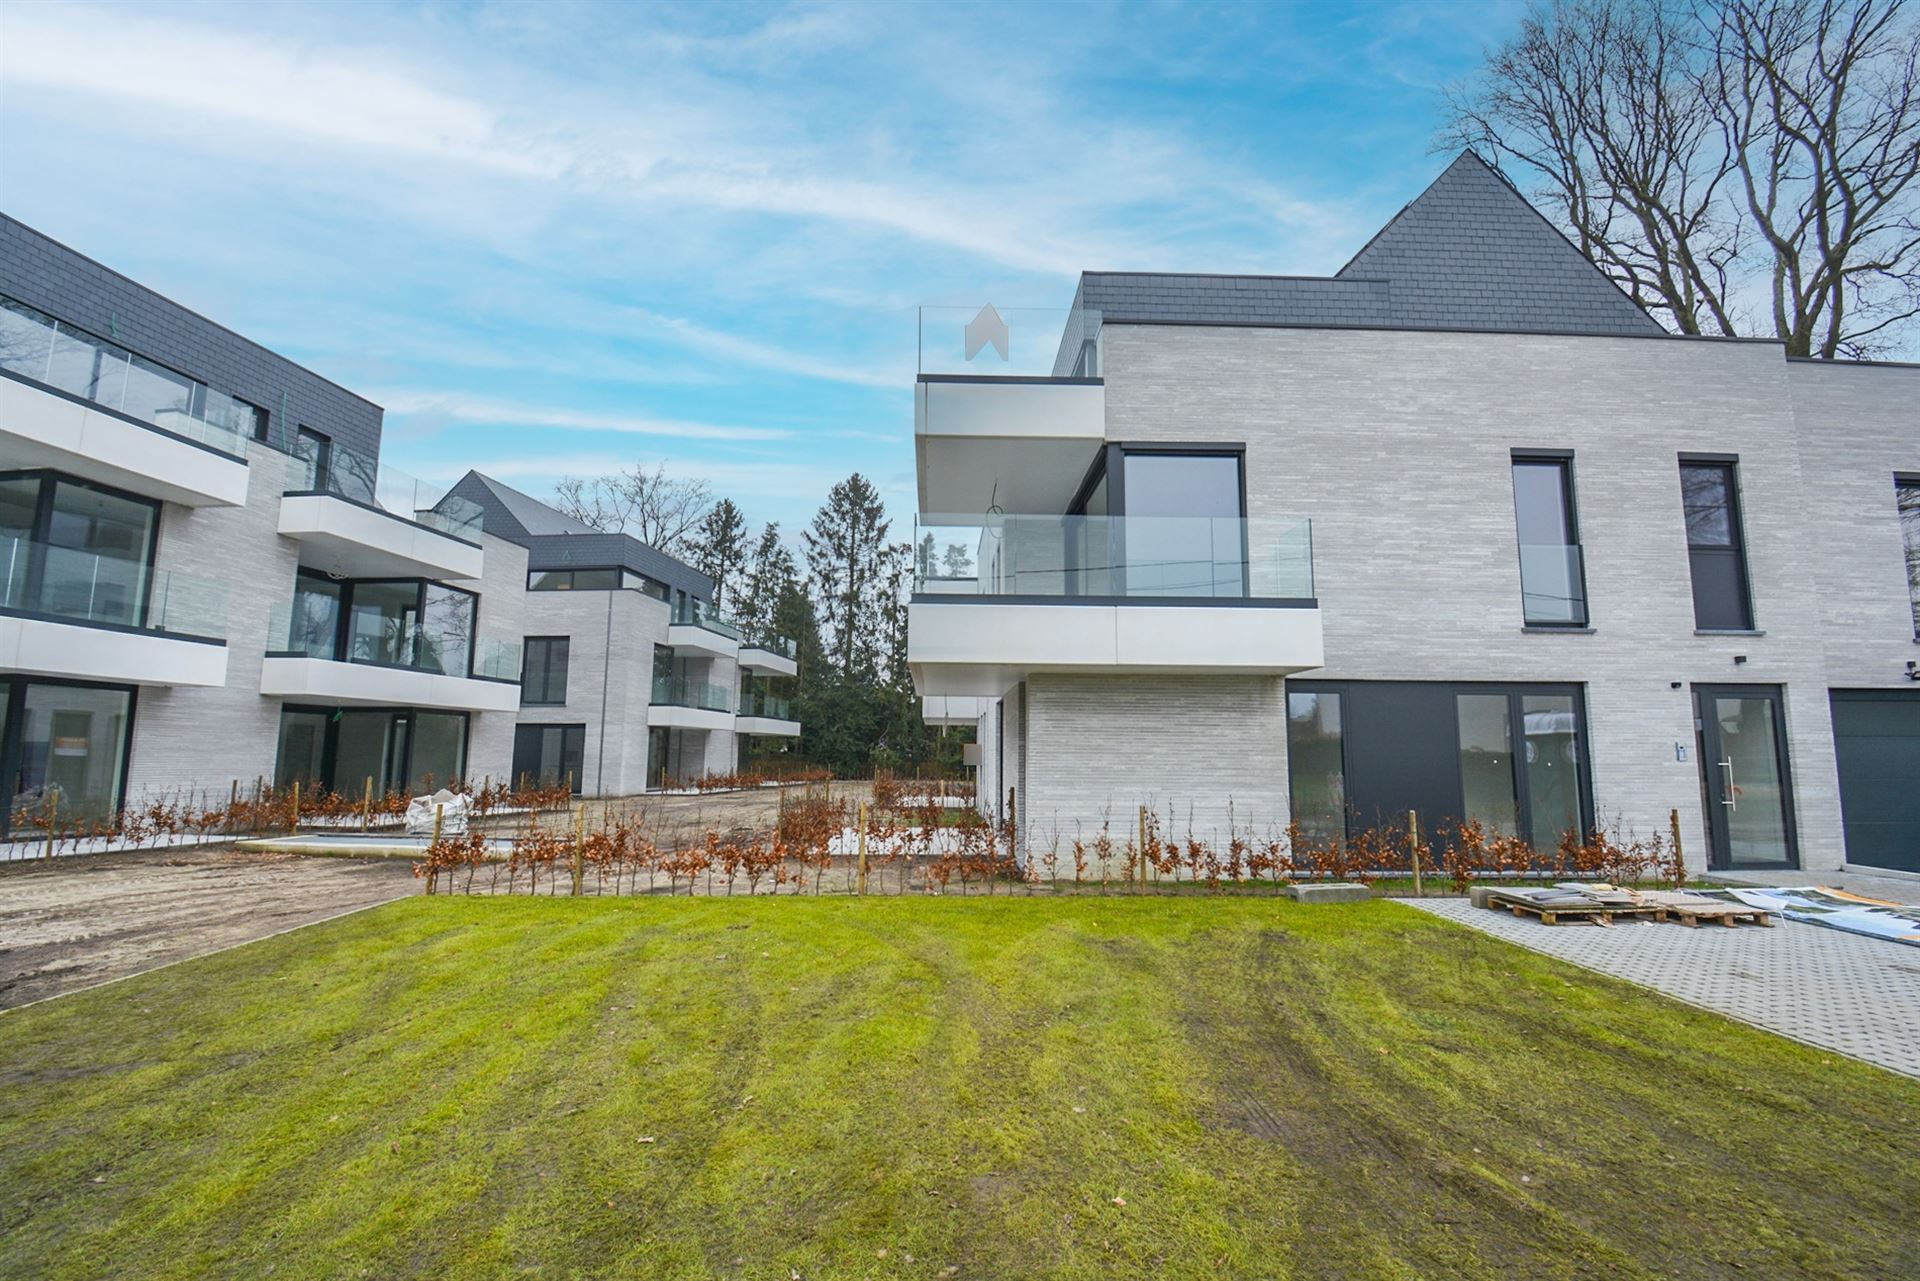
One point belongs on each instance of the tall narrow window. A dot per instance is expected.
(1907, 494)
(1487, 787)
(1716, 550)
(543, 678)
(1316, 766)
(1553, 589)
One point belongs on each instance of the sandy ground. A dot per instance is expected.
(74, 921)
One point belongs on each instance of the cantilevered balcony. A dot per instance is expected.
(84, 406)
(1002, 596)
(359, 518)
(764, 712)
(698, 625)
(84, 616)
(775, 656)
(690, 704)
(312, 659)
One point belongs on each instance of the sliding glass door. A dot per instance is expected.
(63, 752)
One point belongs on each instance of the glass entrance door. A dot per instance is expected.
(1743, 763)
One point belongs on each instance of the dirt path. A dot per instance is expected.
(73, 922)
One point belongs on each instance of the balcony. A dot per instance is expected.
(84, 616)
(953, 709)
(84, 406)
(774, 656)
(765, 713)
(698, 625)
(1002, 596)
(690, 704)
(358, 519)
(1005, 412)
(398, 665)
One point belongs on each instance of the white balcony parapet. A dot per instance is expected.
(770, 658)
(329, 682)
(45, 647)
(39, 427)
(767, 725)
(357, 540)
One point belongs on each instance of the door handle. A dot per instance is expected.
(1729, 799)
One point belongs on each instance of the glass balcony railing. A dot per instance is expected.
(329, 468)
(304, 630)
(669, 691)
(697, 613)
(768, 706)
(54, 354)
(1553, 585)
(1010, 342)
(86, 587)
(774, 645)
(1108, 557)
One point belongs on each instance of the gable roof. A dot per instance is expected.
(555, 540)
(1468, 253)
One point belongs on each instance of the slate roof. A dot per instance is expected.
(1468, 253)
(555, 540)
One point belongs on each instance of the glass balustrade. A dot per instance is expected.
(987, 341)
(696, 613)
(326, 467)
(706, 696)
(308, 627)
(87, 587)
(1108, 557)
(54, 354)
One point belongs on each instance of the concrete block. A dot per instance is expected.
(1336, 892)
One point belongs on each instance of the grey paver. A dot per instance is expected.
(1858, 996)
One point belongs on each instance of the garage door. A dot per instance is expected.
(1876, 736)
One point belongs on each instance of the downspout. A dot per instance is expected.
(606, 673)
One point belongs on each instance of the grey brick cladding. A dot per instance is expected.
(69, 286)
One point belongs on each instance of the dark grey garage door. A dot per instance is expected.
(1876, 736)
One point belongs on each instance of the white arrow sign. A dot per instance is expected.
(987, 327)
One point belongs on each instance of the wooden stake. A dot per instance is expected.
(579, 845)
(1143, 847)
(233, 804)
(863, 847)
(439, 813)
(1413, 849)
(53, 817)
(1679, 859)
(295, 829)
(366, 807)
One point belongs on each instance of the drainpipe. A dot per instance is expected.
(606, 671)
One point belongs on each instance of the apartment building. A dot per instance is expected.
(208, 579)
(632, 679)
(1459, 530)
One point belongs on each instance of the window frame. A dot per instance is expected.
(1562, 459)
(1905, 482)
(48, 480)
(1736, 550)
(344, 623)
(526, 666)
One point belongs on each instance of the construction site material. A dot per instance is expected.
(1695, 909)
(1835, 909)
(1562, 903)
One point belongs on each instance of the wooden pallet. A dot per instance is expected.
(1728, 914)
(1599, 914)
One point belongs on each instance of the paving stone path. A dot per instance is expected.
(1859, 996)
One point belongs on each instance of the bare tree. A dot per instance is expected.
(1698, 150)
(656, 508)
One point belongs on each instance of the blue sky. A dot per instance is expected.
(561, 238)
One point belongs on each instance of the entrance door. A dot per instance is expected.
(1743, 764)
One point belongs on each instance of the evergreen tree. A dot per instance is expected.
(719, 550)
(769, 574)
(844, 550)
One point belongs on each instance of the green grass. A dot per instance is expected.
(465, 1088)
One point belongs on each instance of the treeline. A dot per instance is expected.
(842, 601)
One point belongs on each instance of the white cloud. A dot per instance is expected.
(450, 406)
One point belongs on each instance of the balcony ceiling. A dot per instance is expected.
(1025, 446)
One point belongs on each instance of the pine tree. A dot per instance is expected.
(844, 549)
(769, 574)
(719, 549)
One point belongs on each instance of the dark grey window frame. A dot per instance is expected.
(330, 742)
(13, 701)
(1714, 559)
(1569, 482)
(41, 534)
(565, 729)
(1909, 481)
(342, 625)
(527, 692)
(1110, 464)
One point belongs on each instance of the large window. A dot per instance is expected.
(404, 622)
(1316, 766)
(63, 750)
(349, 749)
(1553, 589)
(1183, 531)
(75, 550)
(573, 580)
(549, 755)
(1716, 550)
(1907, 496)
(543, 674)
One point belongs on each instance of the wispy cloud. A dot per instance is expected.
(439, 407)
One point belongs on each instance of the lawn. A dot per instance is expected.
(1004, 1088)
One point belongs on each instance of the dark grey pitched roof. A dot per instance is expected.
(1468, 253)
(555, 540)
